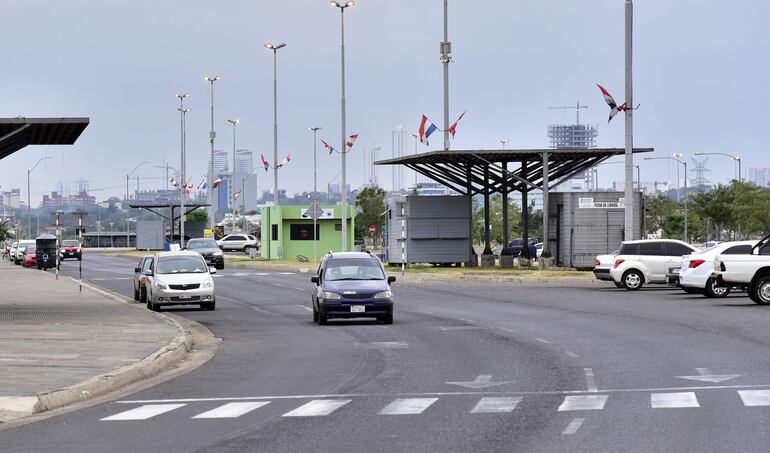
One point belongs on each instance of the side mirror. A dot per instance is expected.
(148, 272)
(315, 280)
(212, 270)
(137, 270)
(391, 279)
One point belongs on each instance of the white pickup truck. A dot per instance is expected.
(751, 271)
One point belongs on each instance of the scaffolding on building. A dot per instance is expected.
(575, 136)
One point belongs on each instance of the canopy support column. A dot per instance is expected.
(472, 259)
(525, 216)
(546, 246)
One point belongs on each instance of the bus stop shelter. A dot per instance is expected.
(17, 133)
(486, 172)
(174, 217)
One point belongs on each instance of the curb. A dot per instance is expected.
(104, 383)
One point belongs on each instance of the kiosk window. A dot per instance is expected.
(274, 231)
(303, 232)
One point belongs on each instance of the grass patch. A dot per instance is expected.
(428, 269)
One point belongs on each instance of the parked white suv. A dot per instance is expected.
(238, 241)
(647, 261)
(751, 270)
(695, 276)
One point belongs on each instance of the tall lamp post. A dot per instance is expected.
(629, 123)
(128, 241)
(315, 191)
(677, 159)
(234, 122)
(736, 158)
(243, 195)
(212, 137)
(503, 142)
(274, 48)
(29, 198)
(183, 182)
(343, 148)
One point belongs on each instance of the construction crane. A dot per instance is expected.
(577, 108)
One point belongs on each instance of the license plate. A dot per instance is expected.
(358, 309)
(45, 257)
(185, 296)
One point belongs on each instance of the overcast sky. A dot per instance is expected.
(701, 75)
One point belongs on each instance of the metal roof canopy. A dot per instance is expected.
(464, 170)
(17, 133)
(189, 207)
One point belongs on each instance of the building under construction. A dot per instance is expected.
(575, 136)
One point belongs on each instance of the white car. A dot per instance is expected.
(179, 278)
(695, 276)
(539, 249)
(647, 261)
(751, 270)
(602, 267)
(12, 251)
(18, 257)
(239, 241)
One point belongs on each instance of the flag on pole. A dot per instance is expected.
(264, 161)
(217, 182)
(285, 161)
(351, 141)
(203, 184)
(328, 146)
(426, 128)
(237, 194)
(614, 107)
(188, 188)
(453, 127)
(173, 182)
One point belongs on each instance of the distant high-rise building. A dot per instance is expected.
(244, 161)
(759, 176)
(221, 162)
(575, 136)
(12, 198)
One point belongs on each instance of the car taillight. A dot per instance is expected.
(618, 263)
(597, 263)
(696, 263)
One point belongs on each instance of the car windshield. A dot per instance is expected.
(516, 242)
(353, 269)
(30, 249)
(181, 265)
(202, 244)
(69, 244)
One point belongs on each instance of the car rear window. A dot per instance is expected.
(651, 249)
(629, 249)
(738, 250)
(673, 249)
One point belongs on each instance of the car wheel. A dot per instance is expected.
(633, 280)
(142, 295)
(136, 295)
(323, 318)
(618, 284)
(315, 315)
(388, 319)
(247, 250)
(714, 290)
(151, 306)
(210, 306)
(760, 291)
(220, 266)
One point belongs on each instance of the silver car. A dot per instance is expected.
(179, 278)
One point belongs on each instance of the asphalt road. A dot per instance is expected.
(465, 367)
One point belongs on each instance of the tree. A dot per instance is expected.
(197, 215)
(4, 233)
(371, 204)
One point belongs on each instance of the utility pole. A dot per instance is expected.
(315, 193)
(446, 58)
(212, 137)
(80, 215)
(183, 182)
(629, 152)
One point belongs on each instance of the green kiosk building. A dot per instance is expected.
(287, 231)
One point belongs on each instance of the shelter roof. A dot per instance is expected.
(16, 133)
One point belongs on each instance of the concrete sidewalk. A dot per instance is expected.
(59, 346)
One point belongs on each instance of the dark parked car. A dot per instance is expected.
(209, 249)
(516, 246)
(352, 285)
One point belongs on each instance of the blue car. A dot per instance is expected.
(352, 285)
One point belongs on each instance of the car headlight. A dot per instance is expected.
(383, 295)
(207, 284)
(218, 253)
(328, 295)
(160, 285)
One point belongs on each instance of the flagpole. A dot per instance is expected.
(629, 151)
(446, 50)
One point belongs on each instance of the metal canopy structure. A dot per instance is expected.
(153, 208)
(472, 172)
(17, 133)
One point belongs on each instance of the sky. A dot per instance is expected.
(701, 72)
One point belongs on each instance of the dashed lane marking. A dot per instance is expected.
(571, 354)
(408, 406)
(317, 408)
(590, 380)
(673, 400)
(573, 426)
(583, 403)
(143, 412)
(755, 397)
(542, 340)
(496, 405)
(232, 410)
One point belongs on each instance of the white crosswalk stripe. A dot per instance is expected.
(583, 403)
(408, 406)
(755, 397)
(495, 405)
(673, 400)
(143, 412)
(232, 410)
(317, 408)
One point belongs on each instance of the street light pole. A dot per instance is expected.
(128, 242)
(446, 57)
(343, 148)
(212, 137)
(275, 48)
(503, 142)
(629, 125)
(183, 182)
(676, 158)
(29, 198)
(736, 158)
(234, 122)
(315, 192)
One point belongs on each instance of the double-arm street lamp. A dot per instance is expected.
(736, 158)
(315, 191)
(274, 48)
(212, 137)
(183, 183)
(343, 146)
(29, 199)
(128, 242)
(677, 158)
(234, 122)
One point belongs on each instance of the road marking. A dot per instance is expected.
(755, 397)
(583, 403)
(408, 406)
(300, 289)
(304, 307)
(571, 354)
(469, 321)
(317, 408)
(143, 412)
(542, 340)
(232, 410)
(387, 345)
(590, 380)
(573, 426)
(482, 381)
(286, 273)
(495, 405)
(673, 400)
(101, 279)
(704, 375)
(447, 328)
(507, 330)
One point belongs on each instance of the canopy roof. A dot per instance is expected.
(477, 171)
(16, 133)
